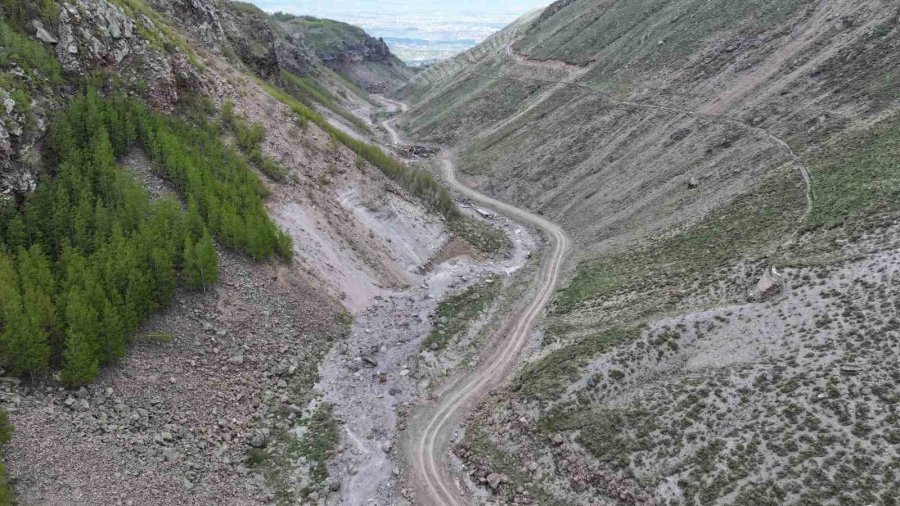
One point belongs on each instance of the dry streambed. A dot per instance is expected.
(381, 370)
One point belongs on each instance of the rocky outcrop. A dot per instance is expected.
(349, 50)
(239, 32)
(18, 136)
(94, 33)
(295, 56)
(252, 38)
(100, 35)
(201, 18)
(88, 36)
(369, 50)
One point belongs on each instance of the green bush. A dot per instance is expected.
(273, 170)
(249, 137)
(158, 32)
(548, 377)
(246, 8)
(857, 176)
(460, 310)
(483, 237)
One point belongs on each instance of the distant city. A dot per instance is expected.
(419, 33)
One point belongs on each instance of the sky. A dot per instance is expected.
(354, 8)
(417, 31)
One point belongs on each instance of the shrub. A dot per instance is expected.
(274, 170)
(27, 54)
(308, 91)
(19, 13)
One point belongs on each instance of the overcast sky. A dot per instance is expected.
(354, 8)
(417, 31)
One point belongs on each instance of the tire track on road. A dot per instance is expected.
(430, 432)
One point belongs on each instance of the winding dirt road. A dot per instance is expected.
(427, 440)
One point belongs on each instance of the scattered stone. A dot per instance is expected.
(258, 440)
(172, 456)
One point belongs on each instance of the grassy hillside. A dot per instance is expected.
(645, 32)
(672, 141)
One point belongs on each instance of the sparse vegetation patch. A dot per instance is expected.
(749, 225)
(418, 182)
(456, 312)
(482, 236)
(310, 92)
(858, 175)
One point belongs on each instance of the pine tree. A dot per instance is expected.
(81, 357)
(15, 234)
(24, 338)
(206, 261)
(80, 364)
(38, 291)
(164, 273)
(112, 335)
(83, 222)
(138, 300)
(195, 224)
(190, 273)
(94, 256)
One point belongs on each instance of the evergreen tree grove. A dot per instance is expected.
(87, 257)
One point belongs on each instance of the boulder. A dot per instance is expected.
(42, 34)
(369, 361)
(259, 440)
(771, 283)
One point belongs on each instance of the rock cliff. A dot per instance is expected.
(350, 51)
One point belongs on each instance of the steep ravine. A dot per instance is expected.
(214, 386)
(376, 376)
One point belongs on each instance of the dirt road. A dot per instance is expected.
(426, 445)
